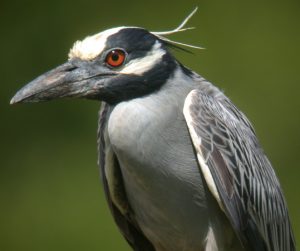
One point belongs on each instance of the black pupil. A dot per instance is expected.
(115, 56)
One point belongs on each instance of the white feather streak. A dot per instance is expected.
(140, 65)
(197, 143)
(180, 28)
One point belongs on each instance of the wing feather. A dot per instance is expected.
(244, 182)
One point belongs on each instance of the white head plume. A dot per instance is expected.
(180, 28)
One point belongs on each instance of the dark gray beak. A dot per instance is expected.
(71, 79)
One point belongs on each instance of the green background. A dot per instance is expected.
(50, 194)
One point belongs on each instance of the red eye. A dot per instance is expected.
(115, 58)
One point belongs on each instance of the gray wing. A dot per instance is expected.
(238, 173)
(115, 192)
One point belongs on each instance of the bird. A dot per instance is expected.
(181, 165)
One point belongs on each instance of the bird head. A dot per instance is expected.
(112, 66)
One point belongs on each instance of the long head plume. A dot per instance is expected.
(161, 34)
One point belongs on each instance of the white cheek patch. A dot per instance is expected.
(92, 46)
(140, 65)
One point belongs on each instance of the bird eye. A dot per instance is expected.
(115, 58)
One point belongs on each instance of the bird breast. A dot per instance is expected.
(162, 180)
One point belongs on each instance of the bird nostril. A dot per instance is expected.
(71, 68)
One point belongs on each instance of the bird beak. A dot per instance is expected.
(71, 79)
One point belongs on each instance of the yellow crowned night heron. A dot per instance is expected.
(182, 168)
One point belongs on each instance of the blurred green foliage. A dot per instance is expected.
(50, 193)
